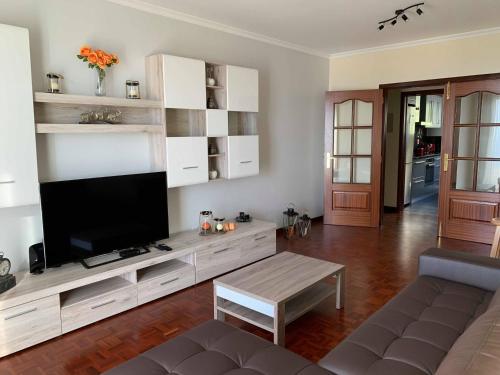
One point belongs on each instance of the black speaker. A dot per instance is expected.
(37, 258)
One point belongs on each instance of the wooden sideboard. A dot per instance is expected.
(63, 299)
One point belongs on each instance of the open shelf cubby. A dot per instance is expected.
(160, 270)
(185, 122)
(242, 123)
(60, 113)
(218, 91)
(91, 291)
(218, 161)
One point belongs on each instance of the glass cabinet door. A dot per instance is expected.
(352, 142)
(476, 143)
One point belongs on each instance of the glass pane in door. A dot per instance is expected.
(363, 113)
(464, 141)
(343, 114)
(342, 170)
(342, 141)
(488, 176)
(490, 108)
(489, 142)
(362, 142)
(362, 170)
(463, 175)
(466, 109)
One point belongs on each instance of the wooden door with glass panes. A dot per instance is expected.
(470, 175)
(353, 143)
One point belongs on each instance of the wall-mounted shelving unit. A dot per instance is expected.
(181, 84)
(60, 114)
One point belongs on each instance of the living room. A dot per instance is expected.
(261, 199)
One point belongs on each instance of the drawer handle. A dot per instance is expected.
(221, 251)
(193, 167)
(419, 162)
(418, 181)
(260, 238)
(103, 304)
(245, 162)
(7, 182)
(21, 313)
(169, 281)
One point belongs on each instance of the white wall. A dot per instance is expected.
(451, 58)
(291, 118)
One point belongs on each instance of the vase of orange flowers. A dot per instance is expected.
(98, 60)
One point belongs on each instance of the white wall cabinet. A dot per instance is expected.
(217, 123)
(190, 126)
(243, 156)
(242, 89)
(18, 163)
(187, 161)
(184, 83)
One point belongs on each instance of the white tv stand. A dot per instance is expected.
(63, 299)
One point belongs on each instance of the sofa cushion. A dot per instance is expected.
(215, 348)
(477, 350)
(412, 333)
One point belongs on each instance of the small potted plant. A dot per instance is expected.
(99, 60)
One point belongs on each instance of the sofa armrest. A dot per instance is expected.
(479, 271)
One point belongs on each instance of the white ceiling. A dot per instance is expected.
(335, 26)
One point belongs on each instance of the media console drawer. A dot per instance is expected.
(258, 246)
(216, 259)
(93, 307)
(29, 324)
(163, 280)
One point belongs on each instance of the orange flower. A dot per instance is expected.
(115, 58)
(101, 62)
(92, 57)
(85, 51)
(108, 59)
(100, 53)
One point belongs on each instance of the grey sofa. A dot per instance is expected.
(446, 322)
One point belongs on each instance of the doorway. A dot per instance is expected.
(413, 129)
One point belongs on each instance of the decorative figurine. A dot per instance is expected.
(101, 117)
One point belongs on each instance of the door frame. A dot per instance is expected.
(417, 84)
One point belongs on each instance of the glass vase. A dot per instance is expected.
(100, 89)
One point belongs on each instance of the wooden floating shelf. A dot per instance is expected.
(44, 97)
(215, 87)
(216, 155)
(96, 128)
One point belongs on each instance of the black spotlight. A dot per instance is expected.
(393, 22)
(381, 27)
(404, 17)
(420, 11)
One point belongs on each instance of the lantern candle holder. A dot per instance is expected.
(54, 83)
(219, 225)
(290, 219)
(304, 225)
(132, 89)
(205, 223)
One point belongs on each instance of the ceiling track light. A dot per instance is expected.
(400, 13)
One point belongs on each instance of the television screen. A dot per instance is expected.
(89, 217)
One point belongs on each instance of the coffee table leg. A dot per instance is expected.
(279, 324)
(340, 288)
(218, 315)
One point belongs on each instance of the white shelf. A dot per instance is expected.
(217, 155)
(96, 128)
(215, 87)
(44, 97)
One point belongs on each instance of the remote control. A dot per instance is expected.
(129, 252)
(163, 247)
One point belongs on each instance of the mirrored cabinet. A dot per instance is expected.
(210, 119)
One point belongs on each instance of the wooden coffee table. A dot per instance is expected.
(277, 290)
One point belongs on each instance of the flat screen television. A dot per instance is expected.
(89, 217)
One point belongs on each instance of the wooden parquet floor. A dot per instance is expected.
(380, 262)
